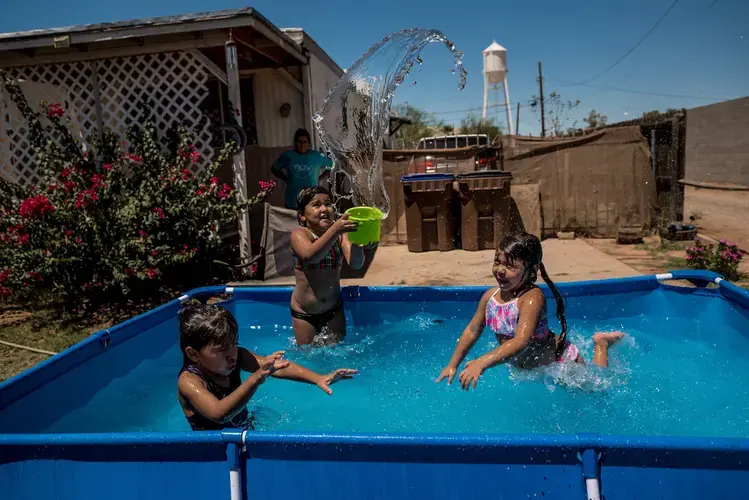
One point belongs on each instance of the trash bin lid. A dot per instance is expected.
(427, 177)
(484, 174)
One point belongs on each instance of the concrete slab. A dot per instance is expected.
(572, 260)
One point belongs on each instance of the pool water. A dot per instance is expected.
(681, 371)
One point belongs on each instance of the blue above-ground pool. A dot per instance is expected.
(667, 419)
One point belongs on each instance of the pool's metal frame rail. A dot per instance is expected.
(585, 461)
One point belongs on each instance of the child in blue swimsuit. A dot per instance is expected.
(319, 247)
(210, 387)
(516, 312)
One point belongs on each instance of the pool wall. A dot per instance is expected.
(233, 464)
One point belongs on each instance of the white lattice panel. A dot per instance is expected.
(69, 84)
(174, 83)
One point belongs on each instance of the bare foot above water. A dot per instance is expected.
(607, 338)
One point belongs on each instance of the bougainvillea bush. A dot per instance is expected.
(723, 258)
(120, 220)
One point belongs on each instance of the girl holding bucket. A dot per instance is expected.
(319, 247)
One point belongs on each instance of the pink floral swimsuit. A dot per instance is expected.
(502, 319)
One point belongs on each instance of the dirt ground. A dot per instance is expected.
(720, 214)
(564, 260)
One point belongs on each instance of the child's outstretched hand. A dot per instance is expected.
(272, 363)
(325, 381)
(447, 373)
(343, 225)
(470, 374)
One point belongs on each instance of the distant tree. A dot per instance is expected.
(656, 116)
(472, 124)
(557, 112)
(448, 129)
(596, 119)
(423, 124)
(572, 132)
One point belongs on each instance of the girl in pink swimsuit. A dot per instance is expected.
(516, 312)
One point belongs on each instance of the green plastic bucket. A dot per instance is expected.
(370, 222)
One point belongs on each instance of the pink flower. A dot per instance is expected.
(266, 185)
(132, 158)
(151, 273)
(36, 206)
(195, 156)
(143, 233)
(159, 212)
(224, 192)
(34, 275)
(84, 198)
(55, 110)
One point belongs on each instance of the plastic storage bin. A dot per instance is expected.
(430, 224)
(485, 215)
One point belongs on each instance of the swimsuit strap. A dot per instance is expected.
(502, 319)
(199, 422)
(333, 259)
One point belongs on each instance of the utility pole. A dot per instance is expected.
(517, 121)
(541, 94)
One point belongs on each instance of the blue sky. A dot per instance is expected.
(698, 53)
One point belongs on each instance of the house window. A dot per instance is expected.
(218, 96)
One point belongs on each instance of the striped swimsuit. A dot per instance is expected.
(331, 260)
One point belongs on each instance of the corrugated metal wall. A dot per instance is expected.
(271, 92)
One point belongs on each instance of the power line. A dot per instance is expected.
(498, 105)
(643, 92)
(657, 23)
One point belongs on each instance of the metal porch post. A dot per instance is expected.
(239, 166)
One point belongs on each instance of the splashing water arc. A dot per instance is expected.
(355, 116)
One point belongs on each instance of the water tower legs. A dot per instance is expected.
(507, 107)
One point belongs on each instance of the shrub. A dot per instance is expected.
(723, 258)
(108, 223)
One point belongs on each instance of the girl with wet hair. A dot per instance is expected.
(209, 385)
(319, 247)
(516, 312)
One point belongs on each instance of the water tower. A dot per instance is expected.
(495, 72)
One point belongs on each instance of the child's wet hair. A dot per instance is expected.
(306, 196)
(203, 324)
(527, 248)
